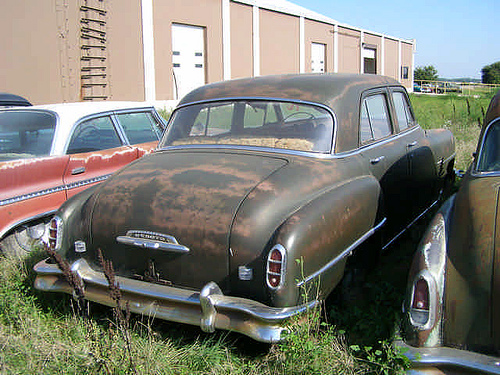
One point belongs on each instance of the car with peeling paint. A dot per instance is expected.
(260, 189)
(452, 311)
(49, 153)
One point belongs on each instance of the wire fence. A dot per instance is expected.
(450, 87)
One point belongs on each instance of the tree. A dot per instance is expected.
(426, 73)
(491, 73)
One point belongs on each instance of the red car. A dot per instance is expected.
(49, 153)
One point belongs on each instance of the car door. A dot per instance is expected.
(423, 183)
(385, 154)
(96, 150)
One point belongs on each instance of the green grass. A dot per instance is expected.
(44, 333)
(463, 115)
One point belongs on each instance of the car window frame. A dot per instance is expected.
(93, 117)
(414, 123)
(121, 133)
(390, 115)
(119, 126)
(479, 153)
(278, 100)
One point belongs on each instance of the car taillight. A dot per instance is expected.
(55, 233)
(276, 266)
(420, 302)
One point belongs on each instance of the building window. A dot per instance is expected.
(370, 60)
(405, 72)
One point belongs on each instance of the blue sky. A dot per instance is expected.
(458, 37)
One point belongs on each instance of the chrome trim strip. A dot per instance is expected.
(56, 189)
(344, 254)
(315, 155)
(423, 358)
(412, 222)
(258, 98)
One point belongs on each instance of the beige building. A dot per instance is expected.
(73, 50)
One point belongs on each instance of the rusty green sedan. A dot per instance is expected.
(452, 308)
(260, 189)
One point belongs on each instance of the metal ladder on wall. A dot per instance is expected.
(93, 75)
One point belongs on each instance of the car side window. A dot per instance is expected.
(403, 113)
(374, 120)
(489, 156)
(94, 135)
(140, 127)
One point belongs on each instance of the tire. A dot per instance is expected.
(20, 243)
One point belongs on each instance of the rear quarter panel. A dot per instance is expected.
(442, 144)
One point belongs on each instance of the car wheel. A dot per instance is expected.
(22, 240)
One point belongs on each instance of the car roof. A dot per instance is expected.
(319, 88)
(338, 91)
(70, 113)
(9, 100)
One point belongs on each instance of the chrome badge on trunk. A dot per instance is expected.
(152, 240)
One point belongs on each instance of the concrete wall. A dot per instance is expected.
(279, 43)
(42, 58)
(40, 54)
(241, 40)
(125, 52)
(349, 50)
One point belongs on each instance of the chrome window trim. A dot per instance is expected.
(343, 254)
(93, 117)
(316, 155)
(43, 192)
(258, 98)
(474, 171)
(110, 113)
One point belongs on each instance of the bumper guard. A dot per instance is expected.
(210, 308)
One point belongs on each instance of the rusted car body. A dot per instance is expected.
(260, 189)
(49, 153)
(452, 309)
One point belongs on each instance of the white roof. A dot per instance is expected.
(70, 113)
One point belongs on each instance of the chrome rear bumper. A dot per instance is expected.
(210, 308)
(448, 360)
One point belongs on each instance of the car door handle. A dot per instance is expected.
(78, 170)
(377, 160)
(413, 144)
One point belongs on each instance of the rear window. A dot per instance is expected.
(26, 134)
(269, 124)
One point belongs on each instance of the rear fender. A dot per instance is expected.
(429, 264)
(320, 236)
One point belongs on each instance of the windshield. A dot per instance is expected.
(25, 134)
(489, 156)
(270, 124)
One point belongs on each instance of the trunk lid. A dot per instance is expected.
(146, 216)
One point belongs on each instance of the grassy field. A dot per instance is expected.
(46, 333)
